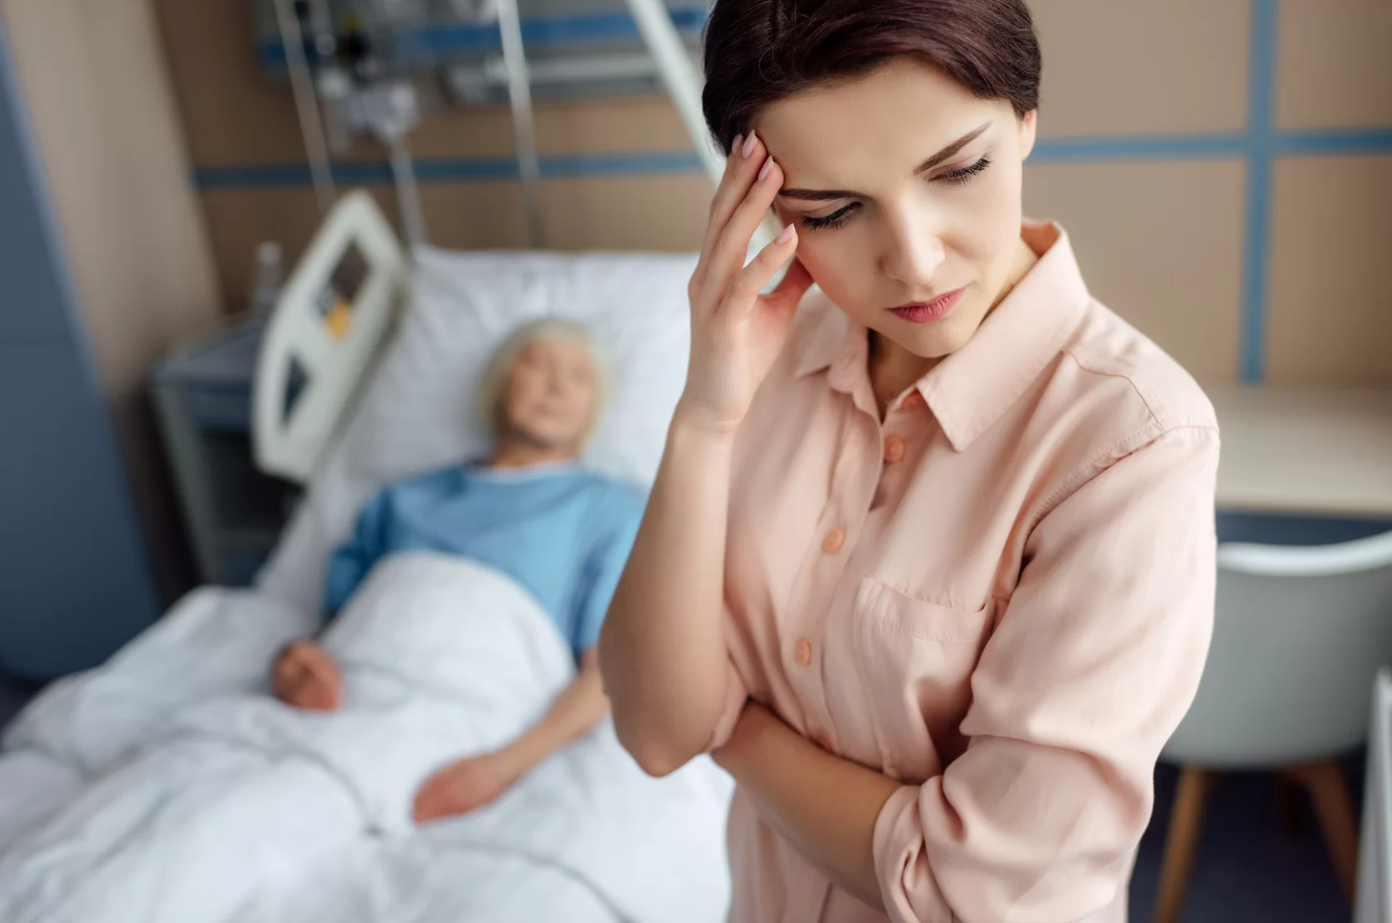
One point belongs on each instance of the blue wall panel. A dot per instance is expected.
(75, 581)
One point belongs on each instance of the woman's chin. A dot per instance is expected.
(555, 441)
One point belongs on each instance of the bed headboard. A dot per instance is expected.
(328, 327)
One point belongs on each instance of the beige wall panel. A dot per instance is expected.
(627, 213)
(1160, 243)
(646, 123)
(1335, 70)
(1330, 318)
(578, 214)
(243, 218)
(1141, 66)
(232, 112)
(108, 131)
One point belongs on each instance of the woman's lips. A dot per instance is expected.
(925, 312)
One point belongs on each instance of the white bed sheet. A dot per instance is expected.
(563, 838)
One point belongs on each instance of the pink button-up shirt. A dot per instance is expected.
(1001, 595)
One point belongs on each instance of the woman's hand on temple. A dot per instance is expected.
(736, 331)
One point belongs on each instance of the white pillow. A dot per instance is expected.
(417, 414)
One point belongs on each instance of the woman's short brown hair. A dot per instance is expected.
(761, 51)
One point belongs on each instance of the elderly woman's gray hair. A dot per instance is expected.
(495, 377)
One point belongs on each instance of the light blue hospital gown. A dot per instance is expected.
(560, 531)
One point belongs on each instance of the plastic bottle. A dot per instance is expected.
(268, 278)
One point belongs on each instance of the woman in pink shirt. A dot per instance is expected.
(929, 563)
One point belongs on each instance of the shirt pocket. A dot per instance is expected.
(916, 660)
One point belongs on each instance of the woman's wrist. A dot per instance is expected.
(693, 429)
(521, 756)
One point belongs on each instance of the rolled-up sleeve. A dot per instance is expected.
(1094, 661)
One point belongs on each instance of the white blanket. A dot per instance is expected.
(206, 800)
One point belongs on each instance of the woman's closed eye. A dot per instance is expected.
(836, 219)
(833, 220)
(963, 174)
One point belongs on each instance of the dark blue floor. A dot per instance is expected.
(13, 695)
(1248, 866)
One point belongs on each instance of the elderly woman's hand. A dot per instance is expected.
(305, 676)
(466, 785)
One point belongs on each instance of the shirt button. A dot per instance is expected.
(834, 541)
(913, 401)
(894, 449)
(803, 653)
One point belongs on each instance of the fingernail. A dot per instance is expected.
(786, 235)
(735, 144)
(764, 171)
(749, 143)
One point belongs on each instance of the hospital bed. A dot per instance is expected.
(356, 389)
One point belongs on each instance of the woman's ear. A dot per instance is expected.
(1029, 126)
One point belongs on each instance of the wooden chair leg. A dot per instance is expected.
(1181, 842)
(1290, 804)
(1334, 808)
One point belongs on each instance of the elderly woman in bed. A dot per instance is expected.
(528, 511)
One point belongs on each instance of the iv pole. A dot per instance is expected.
(307, 106)
(523, 129)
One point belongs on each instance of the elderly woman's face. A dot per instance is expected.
(550, 397)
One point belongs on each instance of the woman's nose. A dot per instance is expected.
(913, 256)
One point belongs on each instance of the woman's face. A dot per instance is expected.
(550, 396)
(905, 189)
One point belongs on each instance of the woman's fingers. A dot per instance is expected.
(725, 262)
(745, 160)
(741, 171)
(752, 278)
(788, 295)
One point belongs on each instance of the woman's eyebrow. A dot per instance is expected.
(951, 150)
(831, 195)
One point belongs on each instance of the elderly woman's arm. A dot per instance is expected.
(476, 781)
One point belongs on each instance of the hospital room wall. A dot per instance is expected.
(1171, 149)
(99, 98)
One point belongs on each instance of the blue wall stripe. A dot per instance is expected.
(628, 163)
(1138, 147)
(1255, 263)
(1333, 141)
(1261, 92)
(457, 169)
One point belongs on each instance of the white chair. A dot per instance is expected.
(1298, 638)
(1375, 855)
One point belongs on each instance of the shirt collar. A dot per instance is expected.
(972, 388)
